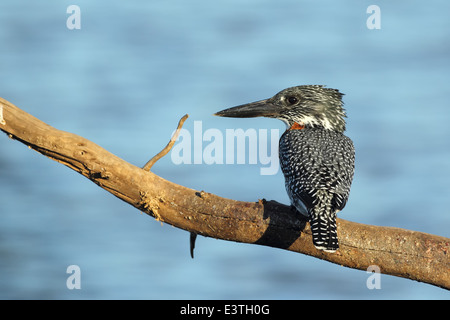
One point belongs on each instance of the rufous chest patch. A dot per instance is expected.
(297, 126)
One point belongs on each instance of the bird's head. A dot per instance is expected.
(306, 106)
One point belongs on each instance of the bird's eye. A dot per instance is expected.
(292, 100)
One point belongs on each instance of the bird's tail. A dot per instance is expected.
(323, 225)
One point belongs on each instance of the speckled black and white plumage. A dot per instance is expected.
(318, 166)
(316, 157)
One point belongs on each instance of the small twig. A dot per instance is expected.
(192, 243)
(169, 146)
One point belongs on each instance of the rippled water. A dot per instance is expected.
(133, 69)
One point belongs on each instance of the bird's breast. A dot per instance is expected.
(297, 126)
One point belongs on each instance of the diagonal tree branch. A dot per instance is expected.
(404, 253)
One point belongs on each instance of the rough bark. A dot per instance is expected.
(404, 253)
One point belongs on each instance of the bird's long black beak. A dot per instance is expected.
(262, 108)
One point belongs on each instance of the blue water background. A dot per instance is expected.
(134, 68)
